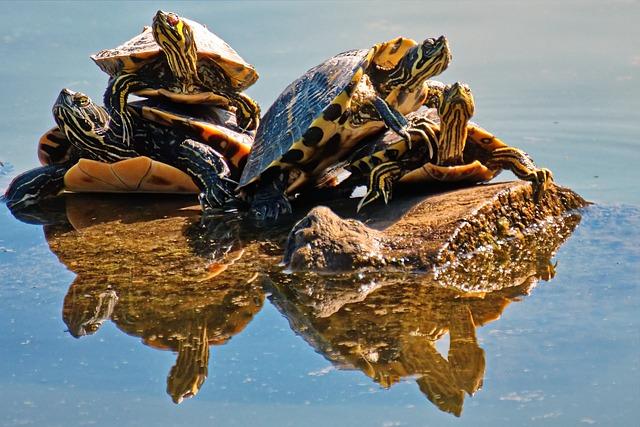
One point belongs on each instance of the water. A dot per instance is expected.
(558, 80)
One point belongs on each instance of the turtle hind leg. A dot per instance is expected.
(518, 162)
(209, 171)
(269, 200)
(381, 181)
(32, 186)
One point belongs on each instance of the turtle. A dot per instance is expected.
(446, 147)
(180, 60)
(321, 116)
(175, 148)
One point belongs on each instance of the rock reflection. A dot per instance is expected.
(388, 326)
(157, 272)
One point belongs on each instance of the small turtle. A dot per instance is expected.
(445, 147)
(185, 149)
(180, 60)
(319, 118)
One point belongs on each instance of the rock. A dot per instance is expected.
(322, 241)
(437, 231)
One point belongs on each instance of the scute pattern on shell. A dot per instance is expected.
(295, 109)
(143, 47)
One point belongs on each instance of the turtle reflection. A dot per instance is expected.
(388, 326)
(157, 272)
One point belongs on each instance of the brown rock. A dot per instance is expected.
(436, 232)
(322, 241)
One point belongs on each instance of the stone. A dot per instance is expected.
(322, 241)
(436, 231)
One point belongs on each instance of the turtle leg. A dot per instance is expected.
(30, 187)
(517, 161)
(388, 166)
(209, 171)
(247, 111)
(269, 200)
(115, 102)
(381, 181)
(392, 118)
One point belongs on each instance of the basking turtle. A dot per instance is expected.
(180, 60)
(186, 149)
(445, 147)
(319, 118)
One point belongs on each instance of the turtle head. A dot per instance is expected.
(175, 37)
(78, 116)
(457, 100)
(423, 61)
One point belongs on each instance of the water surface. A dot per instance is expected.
(558, 80)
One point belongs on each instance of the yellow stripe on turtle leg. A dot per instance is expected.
(518, 162)
(381, 182)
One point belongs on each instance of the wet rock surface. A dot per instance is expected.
(322, 241)
(438, 231)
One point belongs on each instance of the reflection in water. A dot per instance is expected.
(156, 272)
(387, 327)
(159, 272)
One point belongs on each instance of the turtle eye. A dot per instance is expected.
(173, 19)
(81, 99)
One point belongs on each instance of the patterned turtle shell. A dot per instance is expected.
(215, 126)
(303, 101)
(137, 52)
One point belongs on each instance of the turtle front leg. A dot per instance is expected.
(390, 165)
(209, 171)
(502, 156)
(115, 101)
(32, 186)
(392, 118)
(247, 111)
(269, 200)
(381, 180)
(519, 162)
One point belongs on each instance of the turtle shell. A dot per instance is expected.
(138, 51)
(211, 125)
(297, 107)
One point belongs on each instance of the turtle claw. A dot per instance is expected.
(270, 209)
(542, 182)
(214, 198)
(381, 181)
(370, 197)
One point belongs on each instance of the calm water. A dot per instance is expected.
(558, 80)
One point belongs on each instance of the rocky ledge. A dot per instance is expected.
(437, 233)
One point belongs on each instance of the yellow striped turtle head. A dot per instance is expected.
(78, 116)
(422, 61)
(457, 101)
(175, 37)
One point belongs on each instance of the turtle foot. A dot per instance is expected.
(541, 182)
(269, 207)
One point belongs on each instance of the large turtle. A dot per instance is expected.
(181, 60)
(185, 149)
(319, 118)
(446, 147)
